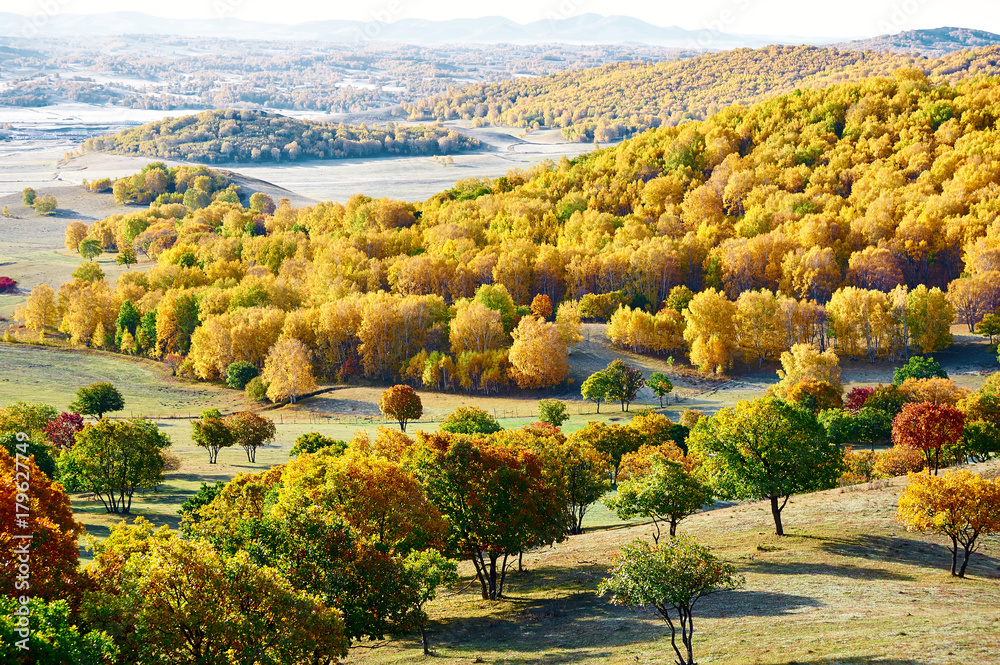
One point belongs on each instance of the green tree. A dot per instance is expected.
(90, 248)
(212, 433)
(768, 449)
(126, 257)
(668, 494)
(55, 637)
(470, 420)
(623, 381)
(671, 578)
(660, 384)
(989, 327)
(553, 412)
(97, 399)
(116, 458)
(240, 373)
(28, 195)
(312, 442)
(127, 321)
(918, 368)
(596, 388)
(428, 571)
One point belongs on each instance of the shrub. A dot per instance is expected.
(919, 368)
(312, 442)
(860, 466)
(898, 461)
(240, 373)
(470, 420)
(7, 285)
(256, 390)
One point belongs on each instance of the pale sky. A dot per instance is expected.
(843, 18)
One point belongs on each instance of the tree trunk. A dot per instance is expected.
(776, 513)
(954, 557)
(965, 562)
(673, 527)
(423, 640)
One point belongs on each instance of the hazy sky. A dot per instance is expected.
(843, 18)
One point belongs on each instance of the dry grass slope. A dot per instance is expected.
(847, 586)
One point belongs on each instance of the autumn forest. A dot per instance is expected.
(734, 365)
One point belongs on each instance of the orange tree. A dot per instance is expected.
(613, 440)
(402, 404)
(53, 549)
(960, 505)
(928, 427)
(579, 470)
(495, 497)
(765, 448)
(250, 431)
(378, 498)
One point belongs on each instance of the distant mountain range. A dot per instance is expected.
(932, 43)
(582, 29)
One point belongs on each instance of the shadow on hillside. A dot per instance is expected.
(581, 621)
(856, 660)
(752, 603)
(908, 551)
(850, 572)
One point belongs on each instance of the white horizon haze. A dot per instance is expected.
(848, 19)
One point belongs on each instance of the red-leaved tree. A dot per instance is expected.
(61, 432)
(857, 397)
(928, 427)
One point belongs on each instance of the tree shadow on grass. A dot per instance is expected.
(909, 551)
(576, 623)
(750, 603)
(856, 660)
(848, 571)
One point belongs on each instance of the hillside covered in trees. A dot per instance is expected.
(256, 136)
(862, 217)
(932, 43)
(618, 100)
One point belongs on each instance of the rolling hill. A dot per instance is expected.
(255, 136)
(618, 100)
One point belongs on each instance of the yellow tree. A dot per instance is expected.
(930, 317)
(76, 231)
(476, 328)
(568, 322)
(538, 357)
(757, 324)
(40, 310)
(959, 504)
(288, 371)
(805, 361)
(710, 330)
